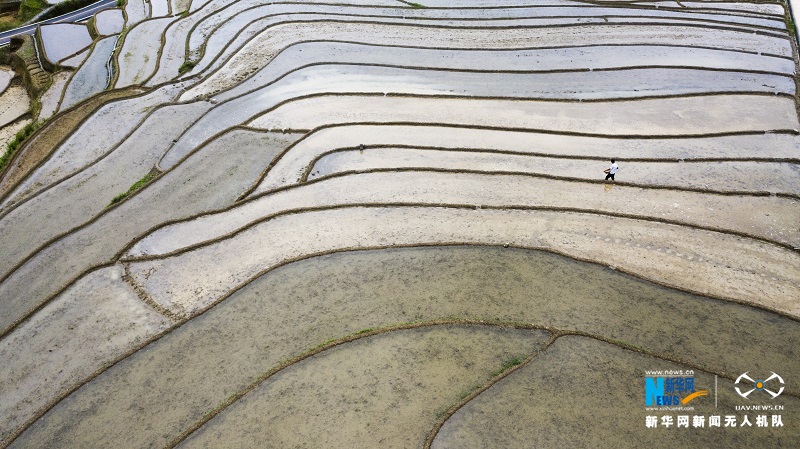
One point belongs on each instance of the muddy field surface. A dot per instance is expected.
(296, 307)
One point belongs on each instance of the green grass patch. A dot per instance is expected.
(8, 22)
(186, 66)
(29, 8)
(507, 365)
(136, 186)
(417, 5)
(16, 142)
(5, 26)
(790, 26)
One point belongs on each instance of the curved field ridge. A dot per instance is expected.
(386, 224)
(406, 391)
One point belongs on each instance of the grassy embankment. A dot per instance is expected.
(16, 142)
(27, 10)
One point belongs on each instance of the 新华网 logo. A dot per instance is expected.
(750, 385)
(670, 391)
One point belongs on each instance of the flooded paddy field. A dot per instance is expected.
(61, 41)
(93, 76)
(386, 224)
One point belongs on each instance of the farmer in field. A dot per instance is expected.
(612, 170)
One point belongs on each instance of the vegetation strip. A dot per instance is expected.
(15, 143)
(186, 66)
(136, 186)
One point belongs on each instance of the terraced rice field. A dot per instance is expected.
(378, 223)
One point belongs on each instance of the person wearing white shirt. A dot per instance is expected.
(611, 171)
